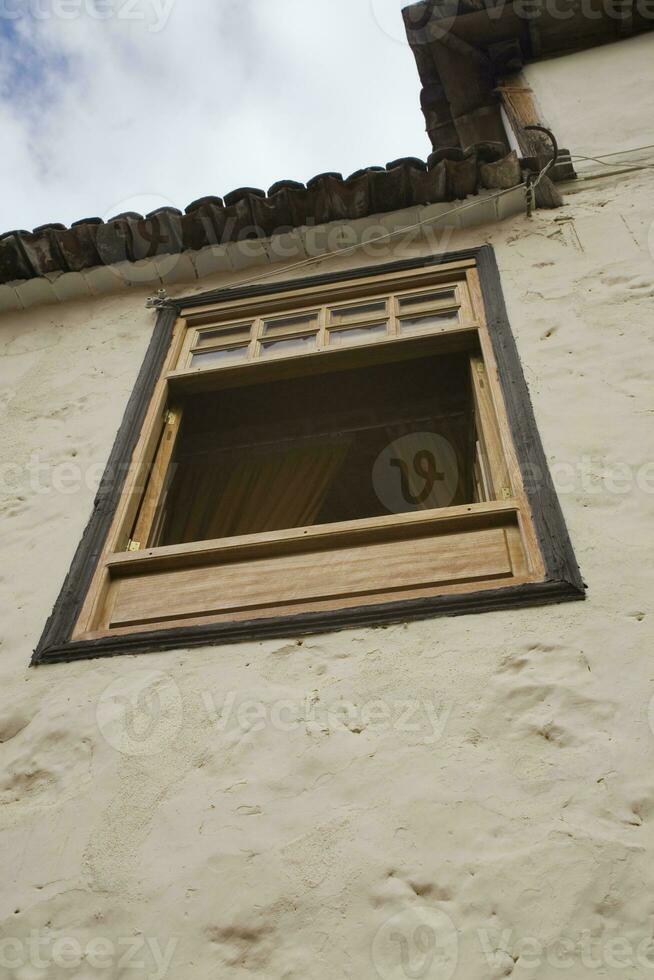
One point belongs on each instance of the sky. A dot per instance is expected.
(126, 105)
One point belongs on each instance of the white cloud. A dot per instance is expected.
(229, 93)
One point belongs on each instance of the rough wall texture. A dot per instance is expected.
(362, 805)
(599, 101)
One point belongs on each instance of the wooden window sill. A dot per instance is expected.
(326, 568)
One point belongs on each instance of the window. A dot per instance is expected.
(336, 451)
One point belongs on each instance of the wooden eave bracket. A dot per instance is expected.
(463, 52)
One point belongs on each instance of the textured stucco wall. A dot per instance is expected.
(493, 778)
(601, 100)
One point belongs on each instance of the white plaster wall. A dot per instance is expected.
(508, 803)
(599, 101)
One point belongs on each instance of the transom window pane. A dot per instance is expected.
(357, 322)
(431, 321)
(345, 314)
(443, 297)
(288, 345)
(223, 355)
(224, 335)
(290, 324)
(357, 335)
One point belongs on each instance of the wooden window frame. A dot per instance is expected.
(525, 508)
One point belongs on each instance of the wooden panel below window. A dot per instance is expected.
(381, 571)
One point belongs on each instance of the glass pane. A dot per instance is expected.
(432, 321)
(357, 335)
(211, 358)
(289, 345)
(288, 324)
(345, 313)
(441, 298)
(227, 335)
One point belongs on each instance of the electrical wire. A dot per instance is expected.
(617, 153)
(529, 189)
(369, 242)
(602, 157)
(615, 171)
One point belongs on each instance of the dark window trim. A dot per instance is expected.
(563, 578)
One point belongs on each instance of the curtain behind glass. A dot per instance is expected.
(265, 490)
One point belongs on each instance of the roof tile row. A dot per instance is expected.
(249, 213)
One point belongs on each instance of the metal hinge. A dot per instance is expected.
(133, 545)
(506, 493)
(170, 418)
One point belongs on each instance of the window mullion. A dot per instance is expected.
(323, 338)
(255, 344)
(393, 315)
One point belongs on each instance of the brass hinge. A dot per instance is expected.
(506, 493)
(170, 418)
(133, 545)
(481, 367)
